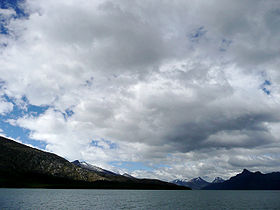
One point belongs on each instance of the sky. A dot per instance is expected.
(158, 89)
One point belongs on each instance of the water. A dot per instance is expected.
(136, 199)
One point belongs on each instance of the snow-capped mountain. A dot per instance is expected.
(90, 167)
(128, 176)
(218, 180)
(195, 183)
(181, 182)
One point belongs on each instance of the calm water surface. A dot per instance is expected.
(136, 199)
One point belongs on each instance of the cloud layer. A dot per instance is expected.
(189, 88)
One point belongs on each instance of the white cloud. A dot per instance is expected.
(5, 107)
(158, 79)
(7, 12)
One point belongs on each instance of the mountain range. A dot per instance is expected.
(26, 167)
(247, 180)
(196, 183)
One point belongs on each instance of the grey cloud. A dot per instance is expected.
(218, 131)
(257, 161)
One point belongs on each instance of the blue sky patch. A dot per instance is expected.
(20, 133)
(3, 28)
(21, 110)
(265, 87)
(267, 82)
(68, 113)
(197, 34)
(24, 108)
(97, 143)
(17, 6)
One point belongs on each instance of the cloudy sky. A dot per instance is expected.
(162, 89)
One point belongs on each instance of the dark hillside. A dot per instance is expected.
(24, 166)
(248, 180)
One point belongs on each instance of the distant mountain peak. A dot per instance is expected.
(245, 171)
(218, 180)
(198, 180)
(195, 183)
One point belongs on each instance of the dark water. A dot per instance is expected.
(136, 199)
